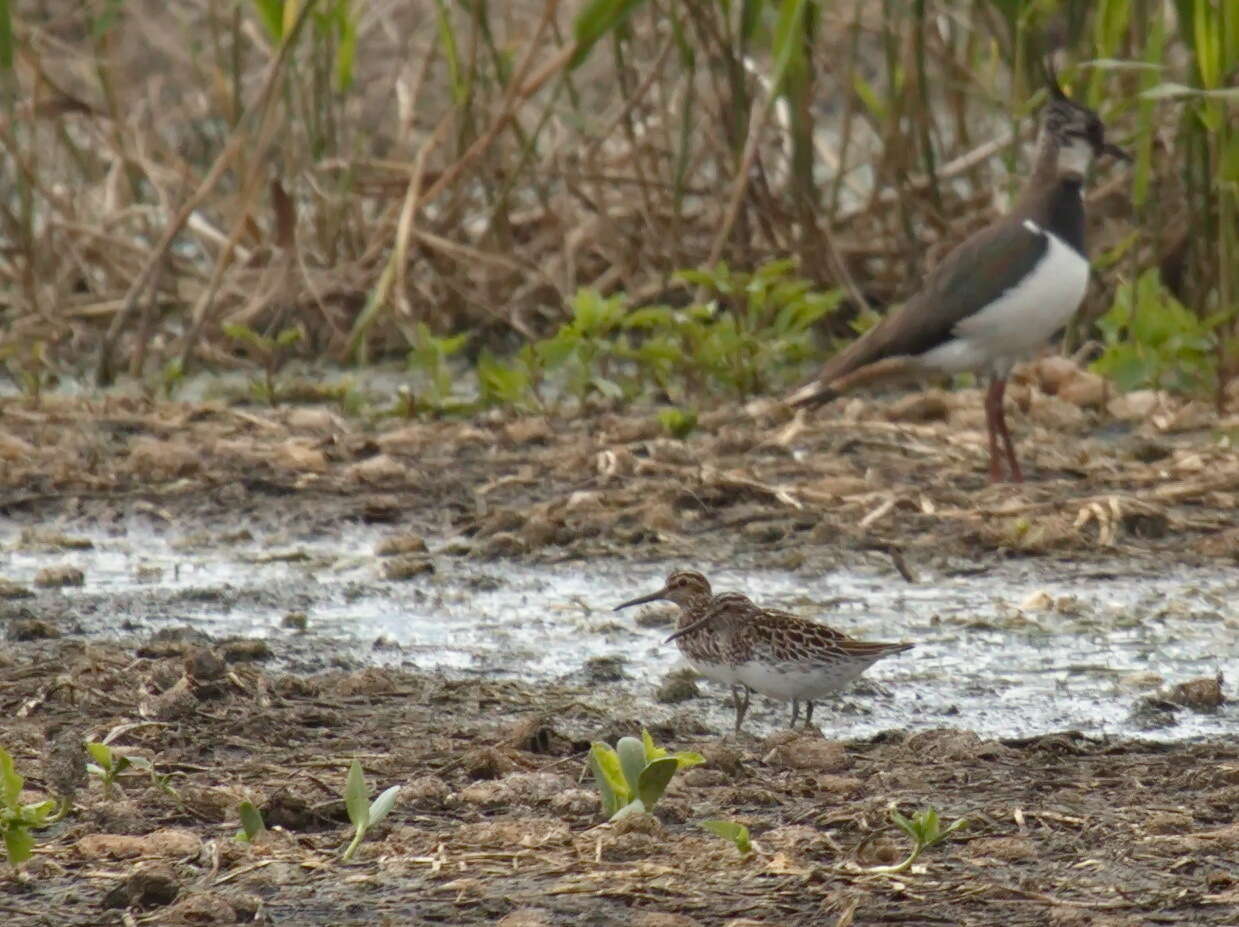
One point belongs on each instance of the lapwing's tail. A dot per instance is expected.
(813, 393)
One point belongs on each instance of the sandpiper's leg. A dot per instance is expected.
(740, 696)
(808, 714)
(795, 711)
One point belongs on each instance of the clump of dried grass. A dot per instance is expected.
(179, 169)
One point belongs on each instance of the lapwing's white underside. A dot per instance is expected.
(1025, 317)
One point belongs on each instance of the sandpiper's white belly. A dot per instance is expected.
(1022, 319)
(719, 672)
(798, 680)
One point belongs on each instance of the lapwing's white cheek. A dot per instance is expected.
(1075, 156)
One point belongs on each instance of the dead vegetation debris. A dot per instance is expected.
(497, 823)
(864, 473)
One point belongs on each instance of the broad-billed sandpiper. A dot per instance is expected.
(728, 638)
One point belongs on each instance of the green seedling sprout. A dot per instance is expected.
(734, 831)
(252, 824)
(18, 820)
(361, 811)
(108, 765)
(270, 349)
(926, 831)
(633, 775)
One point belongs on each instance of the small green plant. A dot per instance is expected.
(29, 366)
(760, 322)
(510, 384)
(1152, 341)
(361, 811)
(430, 361)
(109, 764)
(679, 423)
(758, 329)
(18, 820)
(734, 831)
(925, 830)
(252, 824)
(270, 351)
(633, 775)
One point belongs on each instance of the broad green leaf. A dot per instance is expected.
(631, 754)
(687, 759)
(36, 815)
(383, 804)
(904, 824)
(356, 799)
(18, 844)
(610, 777)
(734, 831)
(100, 753)
(654, 778)
(251, 820)
(12, 782)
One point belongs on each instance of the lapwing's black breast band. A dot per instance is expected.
(1065, 213)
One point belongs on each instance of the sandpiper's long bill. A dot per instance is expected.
(728, 638)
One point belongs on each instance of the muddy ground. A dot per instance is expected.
(496, 821)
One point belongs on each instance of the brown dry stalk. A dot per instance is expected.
(236, 141)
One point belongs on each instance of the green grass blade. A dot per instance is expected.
(597, 19)
(6, 36)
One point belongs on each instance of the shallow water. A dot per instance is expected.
(1025, 647)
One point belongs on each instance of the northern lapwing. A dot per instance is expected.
(1000, 294)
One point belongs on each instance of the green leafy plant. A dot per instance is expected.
(760, 322)
(584, 351)
(1152, 341)
(925, 829)
(364, 813)
(429, 360)
(109, 764)
(252, 824)
(679, 423)
(271, 353)
(633, 775)
(18, 820)
(734, 831)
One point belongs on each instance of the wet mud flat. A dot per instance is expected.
(498, 823)
(496, 818)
